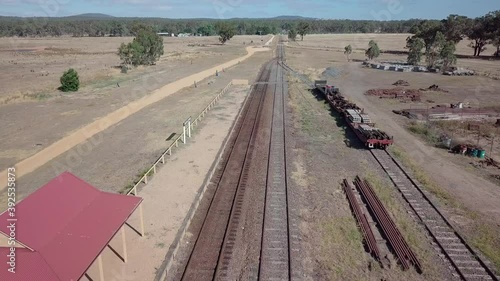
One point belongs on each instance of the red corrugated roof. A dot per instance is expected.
(29, 266)
(67, 223)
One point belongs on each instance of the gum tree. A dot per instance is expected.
(415, 46)
(373, 50)
(348, 52)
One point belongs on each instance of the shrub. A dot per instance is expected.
(70, 81)
(292, 34)
(425, 131)
(373, 50)
(145, 49)
(225, 30)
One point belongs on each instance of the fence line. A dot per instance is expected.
(175, 143)
(167, 264)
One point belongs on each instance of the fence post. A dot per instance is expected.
(188, 124)
(154, 169)
(163, 159)
(146, 178)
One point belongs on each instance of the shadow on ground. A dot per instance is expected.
(351, 140)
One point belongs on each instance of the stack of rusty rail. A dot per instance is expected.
(369, 238)
(397, 242)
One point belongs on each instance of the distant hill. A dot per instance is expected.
(291, 18)
(90, 16)
(275, 18)
(99, 16)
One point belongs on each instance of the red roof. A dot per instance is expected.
(67, 223)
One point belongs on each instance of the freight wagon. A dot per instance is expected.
(356, 118)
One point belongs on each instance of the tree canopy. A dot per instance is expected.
(292, 34)
(70, 82)
(348, 52)
(23, 27)
(302, 29)
(225, 30)
(373, 50)
(480, 31)
(415, 46)
(145, 49)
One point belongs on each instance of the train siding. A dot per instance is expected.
(355, 117)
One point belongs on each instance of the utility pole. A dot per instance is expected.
(491, 149)
(492, 142)
(427, 104)
(478, 134)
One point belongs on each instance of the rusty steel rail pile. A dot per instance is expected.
(369, 238)
(397, 242)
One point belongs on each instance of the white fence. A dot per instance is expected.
(167, 264)
(175, 143)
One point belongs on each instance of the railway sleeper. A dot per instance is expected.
(445, 235)
(440, 226)
(460, 250)
(464, 263)
(457, 256)
(447, 238)
(478, 276)
(473, 268)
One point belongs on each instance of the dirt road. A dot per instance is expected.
(30, 164)
(483, 197)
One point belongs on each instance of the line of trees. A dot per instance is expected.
(437, 40)
(23, 27)
(436, 36)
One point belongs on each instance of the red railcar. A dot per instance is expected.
(355, 117)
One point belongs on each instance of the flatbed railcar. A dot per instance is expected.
(356, 118)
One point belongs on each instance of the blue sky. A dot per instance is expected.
(335, 9)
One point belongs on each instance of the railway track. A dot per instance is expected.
(231, 181)
(275, 249)
(452, 247)
(213, 254)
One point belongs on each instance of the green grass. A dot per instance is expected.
(424, 131)
(342, 248)
(42, 96)
(406, 225)
(138, 177)
(419, 174)
(487, 239)
(482, 235)
(307, 109)
(142, 173)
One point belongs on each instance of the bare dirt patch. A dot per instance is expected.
(132, 101)
(392, 44)
(331, 244)
(177, 183)
(470, 201)
(111, 160)
(41, 61)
